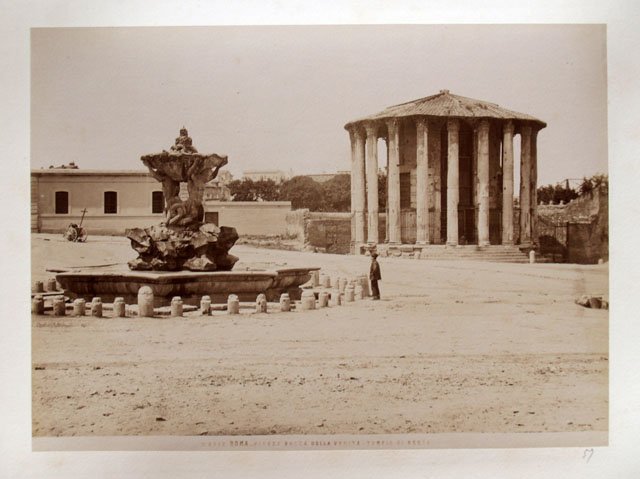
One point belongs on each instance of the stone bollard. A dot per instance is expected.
(145, 302)
(359, 292)
(315, 279)
(233, 304)
(366, 286)
(176, 307)
(79, 307)
(59, 308)
(96, 307)
(39, 287)
(335, 282)
(119, 308)
(349, 294)
(532, 256)
(285, 302)
(308, 300)
(37, 304)
(335, 298)
(323, 299)
(325, 281)
(52, 284)
(261, 303)
(205, 306)
(342, 284)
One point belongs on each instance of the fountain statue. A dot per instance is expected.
(183, 241)
(183, 255)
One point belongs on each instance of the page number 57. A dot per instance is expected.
(587, 454)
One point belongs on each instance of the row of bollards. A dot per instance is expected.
(343, 291)
(59, 306)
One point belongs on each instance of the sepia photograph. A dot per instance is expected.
(319, 237)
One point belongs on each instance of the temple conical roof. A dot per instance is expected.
(445, 104)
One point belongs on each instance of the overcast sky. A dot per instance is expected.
(278, 97)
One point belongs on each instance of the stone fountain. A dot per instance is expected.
(183, 255)
(183, 241)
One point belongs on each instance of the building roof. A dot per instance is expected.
(445, 104)
(81, 172)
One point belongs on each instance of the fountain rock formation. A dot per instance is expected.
(183, 240)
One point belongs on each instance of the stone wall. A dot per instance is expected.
(577, 231)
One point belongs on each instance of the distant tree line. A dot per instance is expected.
(304, 192)
(335, 194)
(562, 192)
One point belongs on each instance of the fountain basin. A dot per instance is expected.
(190, 286)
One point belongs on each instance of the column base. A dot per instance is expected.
(451, 244)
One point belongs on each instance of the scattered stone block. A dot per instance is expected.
(119, 308)
(315, 279)
(323, 299)
(96, 307)
(52, 284)
(359, 291)
(205, 306)
(39, 287)
(37, 304)
(79, 307)
(261, 304)
(233, 304)
(325, 281)
(308, 300)
(335, 282)
(145, 302)
(285, 302)
(342, 284)
(595, 302)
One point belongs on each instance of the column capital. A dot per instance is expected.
(483, 124)
(371, 129)
(421, 120)
(392, 125)
(508, 127)
(453, 124)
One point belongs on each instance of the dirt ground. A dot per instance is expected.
(451, 347)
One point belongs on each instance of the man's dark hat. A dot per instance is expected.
(374, 255)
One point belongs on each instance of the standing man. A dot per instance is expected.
(375, 276)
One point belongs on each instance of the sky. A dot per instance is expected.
(276, 97)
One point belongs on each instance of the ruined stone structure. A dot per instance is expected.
(449, 175)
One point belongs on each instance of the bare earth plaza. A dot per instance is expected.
(165, 303)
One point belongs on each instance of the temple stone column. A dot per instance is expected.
(372, 182)
(507, 184)
(525, 185)
(393, 182)
(358, 186)
(534, 186)
(422, 181)
(453, 191)
(483, 183)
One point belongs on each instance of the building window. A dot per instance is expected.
(157, 202)
(110, 202)
(62, 202)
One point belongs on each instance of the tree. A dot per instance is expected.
(337, 193)
(249, 190)
(303, 192)
(382, 192)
